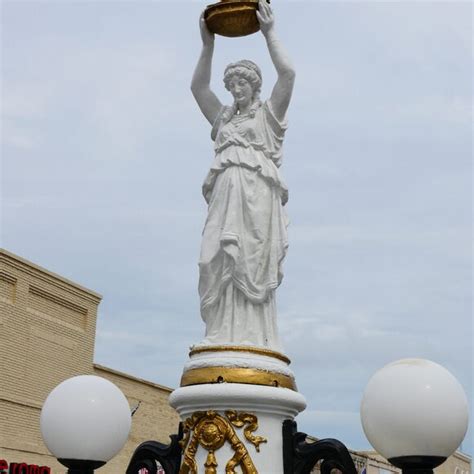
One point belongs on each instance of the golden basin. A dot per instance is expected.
(232, 17)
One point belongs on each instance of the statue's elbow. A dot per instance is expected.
(288, 77)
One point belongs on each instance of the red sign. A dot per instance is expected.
(22, 468)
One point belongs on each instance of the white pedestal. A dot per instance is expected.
(269, 405)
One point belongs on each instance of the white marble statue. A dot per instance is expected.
(244, 238)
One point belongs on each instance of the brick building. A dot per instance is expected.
(47, 327)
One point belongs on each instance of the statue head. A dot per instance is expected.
(247, 70)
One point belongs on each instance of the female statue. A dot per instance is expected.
(244, 238)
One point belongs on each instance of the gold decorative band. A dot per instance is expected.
(236, 375)
(251, 349)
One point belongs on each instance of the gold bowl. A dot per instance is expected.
(232, 17)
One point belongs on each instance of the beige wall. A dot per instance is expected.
(154, 419)
(47, 328)
(458, 463)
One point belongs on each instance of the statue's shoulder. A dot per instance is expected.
(277, 125)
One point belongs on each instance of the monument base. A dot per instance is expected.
(237, 426)
(237, 364)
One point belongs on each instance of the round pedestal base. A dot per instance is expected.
(230, 425)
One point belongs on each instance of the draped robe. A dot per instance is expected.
(245, 235)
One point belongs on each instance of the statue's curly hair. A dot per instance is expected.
(249, 71)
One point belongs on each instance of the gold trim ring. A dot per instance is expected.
(236, 375)
(253, 350)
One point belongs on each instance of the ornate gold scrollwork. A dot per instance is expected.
(240, 419)
(211, 430)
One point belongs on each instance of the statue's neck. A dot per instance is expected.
(244, 110)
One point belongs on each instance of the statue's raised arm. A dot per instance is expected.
(200, 84)
(281, 94)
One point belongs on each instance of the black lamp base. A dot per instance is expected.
(417, 464)
(79, 466)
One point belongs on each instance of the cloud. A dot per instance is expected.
(24, 108)
(421, 245)
(19, 137)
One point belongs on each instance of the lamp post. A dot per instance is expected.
(414, 413)
(85, 422)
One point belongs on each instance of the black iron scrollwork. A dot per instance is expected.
(149, 453)
(300, 457)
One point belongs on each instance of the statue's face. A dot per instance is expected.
(241, 90)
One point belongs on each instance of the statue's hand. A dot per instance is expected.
(265, 17)
(206, 36)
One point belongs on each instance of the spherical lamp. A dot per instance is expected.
(414, 413)
(85, 422)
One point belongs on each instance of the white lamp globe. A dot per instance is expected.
(413, 409)
(85, 418)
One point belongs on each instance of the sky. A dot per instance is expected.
(104, 152)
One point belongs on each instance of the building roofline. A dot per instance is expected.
(372, 455)
(132, 377)
(47, 275)
(467, 457)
